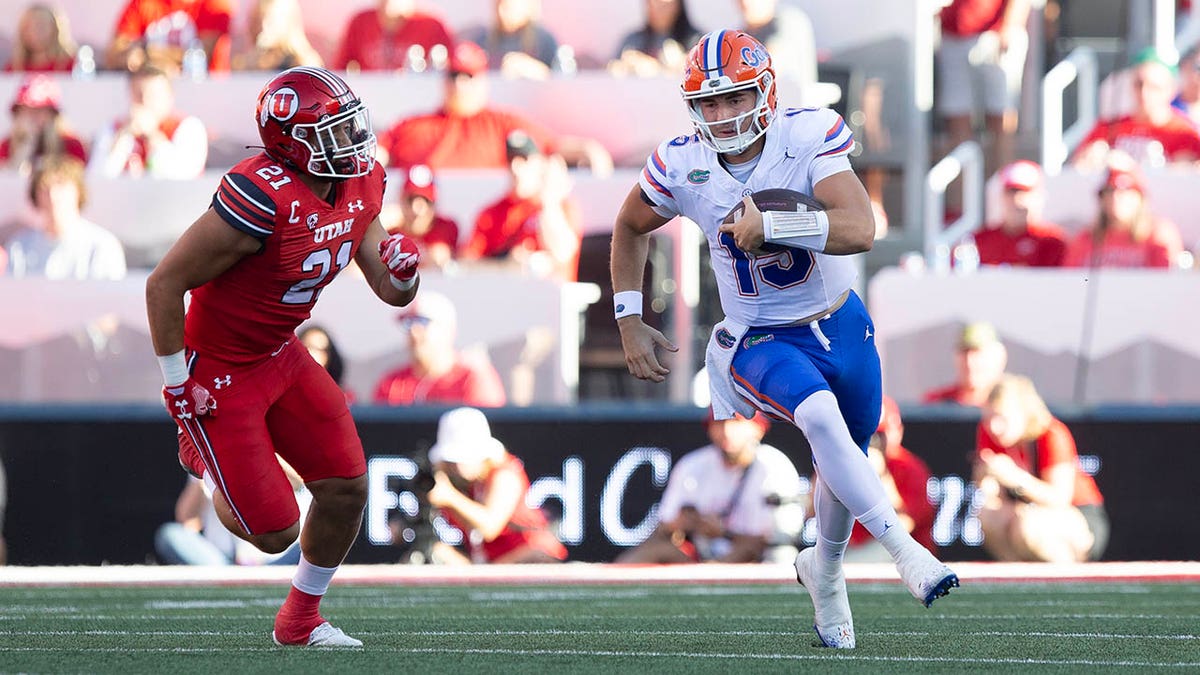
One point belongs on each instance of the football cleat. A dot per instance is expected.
(926, 577)
(831, 608)
(324, 635)
(190, 460)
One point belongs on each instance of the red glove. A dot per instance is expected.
(401, 256)
(189, 400)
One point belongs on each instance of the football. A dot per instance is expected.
(776, 199)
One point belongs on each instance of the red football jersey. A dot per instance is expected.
(252, 308)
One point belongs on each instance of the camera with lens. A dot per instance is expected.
(413, 531)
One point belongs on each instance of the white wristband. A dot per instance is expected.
(403, 285)
(174, 368)
(802, 229)
(627, 303)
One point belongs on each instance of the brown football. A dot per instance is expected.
(776, 199)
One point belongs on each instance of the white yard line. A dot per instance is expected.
(575, 573)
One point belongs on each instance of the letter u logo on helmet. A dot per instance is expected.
(723, 62)
(309, 119)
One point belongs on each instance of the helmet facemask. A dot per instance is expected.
(760, 115)
(340, 145)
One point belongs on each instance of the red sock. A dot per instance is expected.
(298, 617)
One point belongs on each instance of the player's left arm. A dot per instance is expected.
(851, 219)
(845, 227)
(389, 263)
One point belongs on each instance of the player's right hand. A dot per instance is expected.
(399, 253)
(639, 340)
(189, 400)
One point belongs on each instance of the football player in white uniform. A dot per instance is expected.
(796, 342)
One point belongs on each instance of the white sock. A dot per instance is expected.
(842, 464)
(312, 579)
(834, 524)
(210, 485)
(899, 543)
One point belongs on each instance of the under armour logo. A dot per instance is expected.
(868, 336)
(356, 205)
(219, 382)
(183, 414)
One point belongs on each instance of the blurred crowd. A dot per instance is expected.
(535, 227)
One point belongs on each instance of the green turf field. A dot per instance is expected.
(1060, 627)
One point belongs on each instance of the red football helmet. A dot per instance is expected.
(726, 61)
(309, 119)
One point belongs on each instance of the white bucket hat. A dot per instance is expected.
(463, 435)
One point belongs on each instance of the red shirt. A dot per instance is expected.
(910, 473)
(176, 23)
(444, 141)
(1179, 139)
(1052, 448)
(512, 223)
(1118, 250)
(1040, 245)
(952, 393)
(441, 231)
(71, 146)
(366, 43)
(64, 65)
(527, 527)
(252, 308)
(962, 18)
(467, 384)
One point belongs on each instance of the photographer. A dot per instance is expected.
(481, 489)
(734, 500)
(1038, 505)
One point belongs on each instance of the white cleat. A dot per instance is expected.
(325, 635)
(926, 577)
(831, 608)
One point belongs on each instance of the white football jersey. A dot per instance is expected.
(803, 146)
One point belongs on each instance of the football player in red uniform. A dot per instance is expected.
(281, 225)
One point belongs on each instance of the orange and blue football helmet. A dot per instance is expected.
(725, 61)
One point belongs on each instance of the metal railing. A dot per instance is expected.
(966, 161)
(1079, 67)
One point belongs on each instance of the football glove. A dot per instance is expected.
(399, 253)
(189, 400)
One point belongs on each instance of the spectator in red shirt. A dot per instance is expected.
(43, 43)
(1126, 234)
(1156, 132)
(437, 372)
(382, 38)
(1039, 505)
(160, 31)
(980, 362)
(416, 217)
(468, 134)
(537, 224)
(482, 489)
(1021, 238)
(38, 127)
(904, 476)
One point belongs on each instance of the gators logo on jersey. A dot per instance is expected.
(725, 338)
